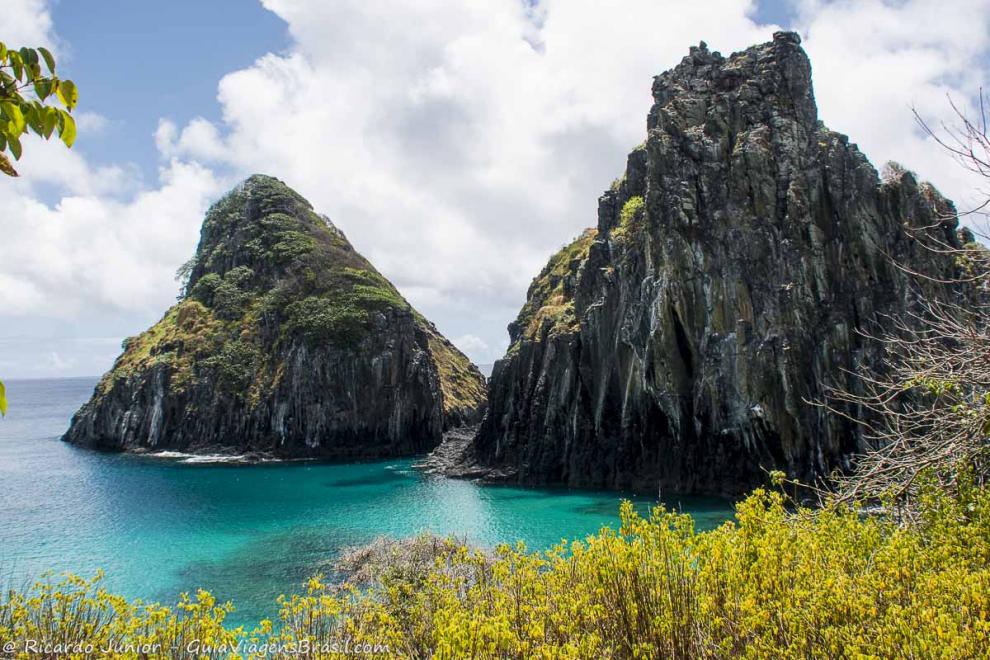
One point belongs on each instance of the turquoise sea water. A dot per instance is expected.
(158, 527)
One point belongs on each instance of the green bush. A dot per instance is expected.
(77, 618)
(775, 582)
(630, 219)
(234, 365)
(227, 295)
(323, 320)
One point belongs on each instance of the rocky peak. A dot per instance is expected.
(774, 78)
(736, 266)
(260, 225)
(285, 341)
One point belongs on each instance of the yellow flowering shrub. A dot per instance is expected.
(779, 580)
(76, 618)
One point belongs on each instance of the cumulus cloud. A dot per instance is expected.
(91, 122)
(458, 144)
(98, 244)
(91, 253)
(460, 154)
(199, 140)
(83, 242)
(875, 61)
(28, 23)
(457, 155)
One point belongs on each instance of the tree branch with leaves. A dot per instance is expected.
(29, 100)
(30, 97)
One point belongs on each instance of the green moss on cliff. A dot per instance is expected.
(631, 220)
(550, 297)
(460, 381)
(265, 260)
(264, 249)
(324, 320)
(188, 332)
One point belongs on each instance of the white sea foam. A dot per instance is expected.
(183, 457)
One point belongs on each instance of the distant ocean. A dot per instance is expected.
(160, 526)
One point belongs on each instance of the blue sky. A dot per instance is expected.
(454, 153)
(139, 61)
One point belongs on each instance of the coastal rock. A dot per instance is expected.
(733, 272)
(285, 342)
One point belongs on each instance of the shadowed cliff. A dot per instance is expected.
(731, 273)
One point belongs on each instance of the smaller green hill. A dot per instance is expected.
(286, 341)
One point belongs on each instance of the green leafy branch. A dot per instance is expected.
(26, 101)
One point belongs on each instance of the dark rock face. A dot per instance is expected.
(286, 342)
(731, 272)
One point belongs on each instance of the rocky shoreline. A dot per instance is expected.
(454, 458)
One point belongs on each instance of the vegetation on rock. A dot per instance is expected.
(291, 339)
(631, 220)
(549, 302)
(462, 384)
(26, 95)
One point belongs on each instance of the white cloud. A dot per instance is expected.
(457, 144)
(472, 344)
(105, 245)
(48, 162)
(28, 23)
(59, 364)
(199, 140)
(91, 122)
(458, 155)
(874, 61)
(91, 253)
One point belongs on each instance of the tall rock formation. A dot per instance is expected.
(733, 268)
(285, 342)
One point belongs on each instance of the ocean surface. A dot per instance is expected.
(161, 526)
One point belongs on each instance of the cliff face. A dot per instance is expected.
(286, 341)
(677, 345)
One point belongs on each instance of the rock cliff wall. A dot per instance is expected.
(730, 275)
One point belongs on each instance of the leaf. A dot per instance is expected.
(6, 167)
(30, 58)
(67, 93)
(34, 118)
(42, 87)
(14, 114)
(16, 64)
(68, 131)
(3, 399)
(3, 52)
(50, 120)
(49, 60)
(15, 145)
